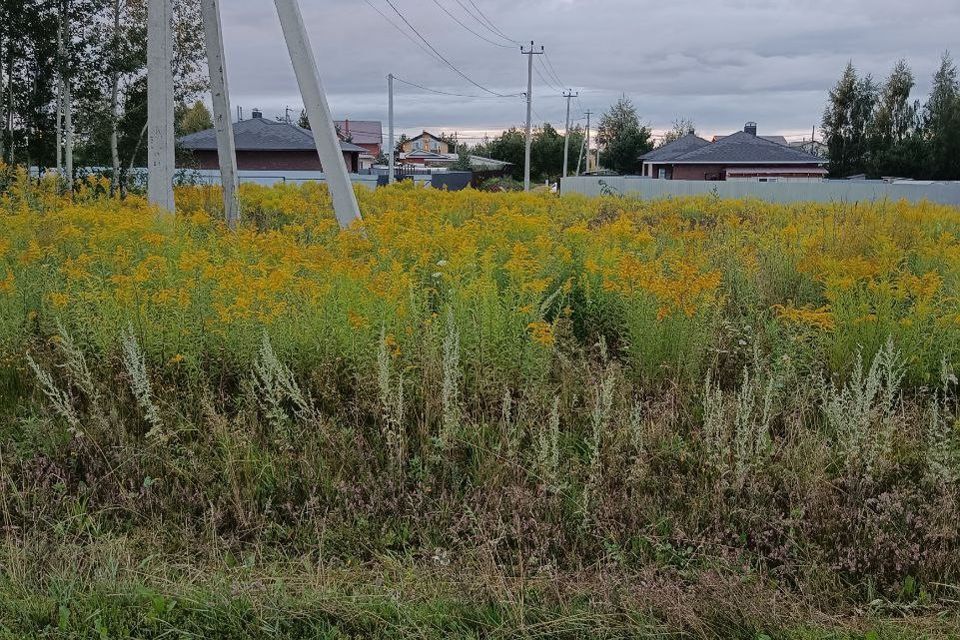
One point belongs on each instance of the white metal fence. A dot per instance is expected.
(782, 192)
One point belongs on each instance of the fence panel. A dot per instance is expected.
(781, 192)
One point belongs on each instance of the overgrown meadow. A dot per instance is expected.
(477, 415)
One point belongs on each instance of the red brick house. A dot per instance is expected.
(363, 133)
(741, 156)
(266, 145)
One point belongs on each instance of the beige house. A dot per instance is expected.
(426, 141)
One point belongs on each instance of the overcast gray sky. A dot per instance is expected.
(720, 63)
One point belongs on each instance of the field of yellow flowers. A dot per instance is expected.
(683, 416)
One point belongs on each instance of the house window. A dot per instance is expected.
(662, 173)
(767, 179)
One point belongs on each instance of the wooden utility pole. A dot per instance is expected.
(566, 132)
(160, 132)
(226, 150)
(318, 111)
(526, 153)
(390, 171)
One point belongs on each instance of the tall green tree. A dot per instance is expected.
(193, 118)
(546, 153)
(894, 142)
(509, 146)
(28, 72)
(681, 127)
(847, 122)
(941, 122)
(622, 138)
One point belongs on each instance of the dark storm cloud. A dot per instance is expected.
(719, 63)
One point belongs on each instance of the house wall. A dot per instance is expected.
(713, 171)
(428, 142)
(371, 148)
(295, 160)
(698, 171)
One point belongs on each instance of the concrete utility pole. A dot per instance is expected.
(390, 142)
(226, 150)
(526, 153)
(318, 112)
(160, 143)
(583, 144)
(566, 132)
(588, 141)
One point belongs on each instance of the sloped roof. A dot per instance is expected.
(678, 147)
(260, 134)
(453, 157)
(429, 135)
(745, 148)
(777, 139)
(361, 131)
(429, 155)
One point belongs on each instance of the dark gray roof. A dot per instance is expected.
(260, 134)
(745, 148)
(678, 147)
(777, 139)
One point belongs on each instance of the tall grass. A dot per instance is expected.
(726, 419)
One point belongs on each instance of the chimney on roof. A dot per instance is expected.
(256, 113)
(751, 128)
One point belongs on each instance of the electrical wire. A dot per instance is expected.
(492, 26)
(549, 83)
(403, 31)
(552, 69)
(439, 55)
(460, 22)
(450, 93)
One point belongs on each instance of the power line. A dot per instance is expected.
(492, 26)
(552, 69)
(451, 93)
(439, 55)
(402, 30)
(549, 83)
(460, 22)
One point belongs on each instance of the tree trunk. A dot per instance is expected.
(2, 111)
(9, 122)
(67, 95)
(59, 126)
(133, 158)
(114, 95)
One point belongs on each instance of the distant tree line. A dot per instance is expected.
(621, 137)
(874, 129)
(88, 58)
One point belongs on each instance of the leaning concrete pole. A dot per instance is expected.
(160, 143)
(226, 150)
(318, 112)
